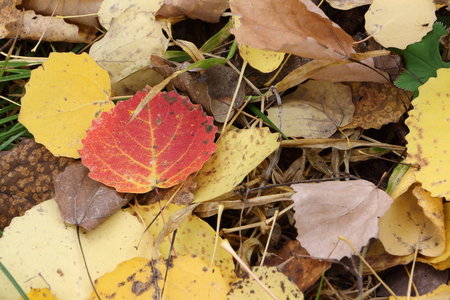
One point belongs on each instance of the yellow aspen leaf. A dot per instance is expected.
(277, 283)
(429, 133)
(188, 278)
(263, 60)
(401, 22)
(194, 237)
(238, 152)
(40, 294)
(442, 262)
(62, 98)
(415, 219)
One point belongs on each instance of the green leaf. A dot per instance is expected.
(422, 59)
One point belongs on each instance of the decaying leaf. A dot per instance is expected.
(194, 237)
(380, 260)
(27, 178)
(205, 10)
(303, 270)
(401, 22)
(187, 278)
(41, 245)
(425, 147)
(83, 201)
(315, 110)
(326, 210)
(168, 140)
(8, 14)
(278, 283)
(359, 72)
(62, 98)
(238, 153)
(133, 35)
(376, 104)
(66, 8)
(213, 88)
(415, 219)
(110, 9)
(297, 27)
(56, 30)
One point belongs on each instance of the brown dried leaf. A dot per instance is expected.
(26, 178)
(290, 26)
(353, 72)
(377, 104)
(324, 211)
(8, 14)
(213, 88)
(84, 201)
(205, 10)
(303, 270)
(67, 8)
(57, 31)
(315, 110)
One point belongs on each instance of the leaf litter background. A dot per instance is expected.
(341, 120)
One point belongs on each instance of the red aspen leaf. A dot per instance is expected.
(290, 26)
(168, 140)
(83, 201)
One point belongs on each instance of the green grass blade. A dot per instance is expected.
(255, 110)
(13, 281)
(217, 39)
(11, 139)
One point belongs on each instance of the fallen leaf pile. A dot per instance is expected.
(268, 130)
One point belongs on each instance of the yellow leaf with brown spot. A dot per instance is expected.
(194, 237)
(415, 219)
(429, 133)
(62, 98)
(238, 153)
(187, 278)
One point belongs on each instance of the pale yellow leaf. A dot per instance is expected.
(238, 152)
(401, 22)
(315, 110)
(132, 36)
(348, 4)
(41, 243)
(110, 9)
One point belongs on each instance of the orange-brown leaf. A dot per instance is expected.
(290, 26)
